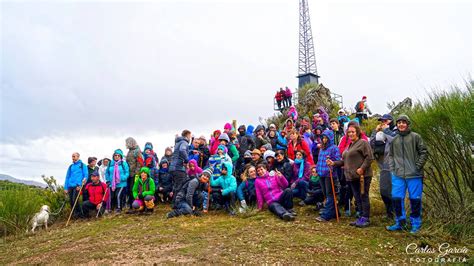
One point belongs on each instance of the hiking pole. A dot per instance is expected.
(333, 193)
(73, 207)
(102, 202)
(362, 189)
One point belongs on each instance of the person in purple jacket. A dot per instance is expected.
(272, 189)
(301, 174)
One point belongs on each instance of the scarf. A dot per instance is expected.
(116, 176)
(300, 162)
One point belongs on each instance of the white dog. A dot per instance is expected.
(41, 218)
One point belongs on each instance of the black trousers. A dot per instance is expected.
(179, 177)
(73, 193)
(283, 204)
(88, 206)
(362, 200)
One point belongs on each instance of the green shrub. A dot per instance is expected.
(445, 123)
(19, 203)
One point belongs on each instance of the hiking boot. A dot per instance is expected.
(347, 213)
(130, 211)
(288, 217)
(415, 225)
(362, 222)
(118, 211)
(354, 222)
(292, 212)
(398, 226)
(319, 206)
(357, 214)
(301, 203)
(321, 219)
(171, 214)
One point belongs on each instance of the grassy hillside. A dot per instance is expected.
(214, 238)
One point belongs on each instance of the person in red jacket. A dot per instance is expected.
(98, 194)
(297, 143)
(279, 98)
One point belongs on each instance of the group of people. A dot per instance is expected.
(323, 162)
(283, 98)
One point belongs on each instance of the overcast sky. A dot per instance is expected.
(84, 75)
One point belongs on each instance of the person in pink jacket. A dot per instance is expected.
(272, 188)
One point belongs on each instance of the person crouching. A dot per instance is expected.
(97, 194)
(143, 192)
(188, 196)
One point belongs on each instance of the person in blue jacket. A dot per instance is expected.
(116, 177)
(75, 175)
(246, 191)
(225, 196)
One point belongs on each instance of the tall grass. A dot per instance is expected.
(19, 203)
(444, 121)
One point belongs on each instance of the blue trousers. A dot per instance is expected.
(415, 190)
(301, 190)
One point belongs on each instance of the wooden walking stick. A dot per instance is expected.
(102, 202)
(362, 189)
(73, 207)
(333, 193)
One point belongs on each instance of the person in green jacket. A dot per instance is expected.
(226, 194)
(407, 156)
(143, 192)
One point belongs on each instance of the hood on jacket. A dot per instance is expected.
(330, 135)
(229, 167)
(250, 129)
(145, 170)
(225, 137)
(131, 143)
(119, 152)
(320, 129)
(179, 139)
(164, 160)
(197, 169)
(259, 127)
(148, 145)
(291, 120)
(216, 133)
(242, 127)
(228, 126)
(222, 147)
(403, 117)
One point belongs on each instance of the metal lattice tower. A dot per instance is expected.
(307, 72)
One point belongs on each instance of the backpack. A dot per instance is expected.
(379, 148)
(359, 106)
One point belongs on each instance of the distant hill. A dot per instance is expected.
(26, 182)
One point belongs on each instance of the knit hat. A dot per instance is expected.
(364, 97)
(247, 154)
(222, 147)
(225, 137)
(268, 154)
(145, 170)
(341, 111)
(257, 151)
(272, 126)
(207, 171)
(228, 126)
(268, 146)
(95, 173)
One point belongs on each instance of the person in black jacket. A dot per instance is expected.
(283, 165)
(165, 182)
(179, 160)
